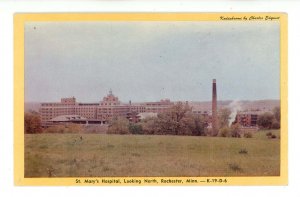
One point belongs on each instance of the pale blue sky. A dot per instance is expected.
(148, 61)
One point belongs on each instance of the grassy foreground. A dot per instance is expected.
(66, 155)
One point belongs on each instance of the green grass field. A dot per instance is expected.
(100, 155)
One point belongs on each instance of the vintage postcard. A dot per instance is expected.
(151, 99)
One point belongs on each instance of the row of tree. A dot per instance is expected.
(179, 120)
(269, 120)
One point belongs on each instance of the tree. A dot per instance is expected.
(175, 120)
(276, 112)
(275, 125)
(197, 125)
(265, 120)
(276, 121)
(118, 125)
(224, 116)
(150, 125)
(32, 122)
(179, 120)
(135, 128)
(235, 130)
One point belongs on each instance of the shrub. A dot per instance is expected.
(50, 171)
(197, 125)
(273, 136)
(276, 112)
(223, 117)
(224, 132)
(118, 125)
(235, 134)
(265, 120)
(235, 167)
(135, 128)
(275, 125)
(135, 154)
(248, 135)
(149, 125)
(243, 151)
(235, 131)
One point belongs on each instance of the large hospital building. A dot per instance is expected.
(68, 109)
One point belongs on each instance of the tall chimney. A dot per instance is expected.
(214, 109)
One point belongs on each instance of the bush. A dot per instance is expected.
(224, 132)
(276, 112)
(265, 120)
(235, 131)
(135, 128)
(196, 125)
(234, 167)
(118, 125)
(149, 125)
(248, 135)
(275, 125)
(243, 151)
(273, 136)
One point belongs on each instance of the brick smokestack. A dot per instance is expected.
(214, 109)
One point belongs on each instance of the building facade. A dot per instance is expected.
(247, 119)
(101, 112)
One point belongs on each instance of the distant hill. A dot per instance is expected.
(264, 105)
(206, 105)
(32, 106)
(246, 105)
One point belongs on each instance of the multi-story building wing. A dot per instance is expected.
(247, 118)
(158, 107)
(87, 110)
(101, 112)
(49, 111)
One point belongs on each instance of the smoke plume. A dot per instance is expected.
(234, 106)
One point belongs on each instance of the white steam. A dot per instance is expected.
(234, 106)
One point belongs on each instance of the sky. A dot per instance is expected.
(149, 61)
